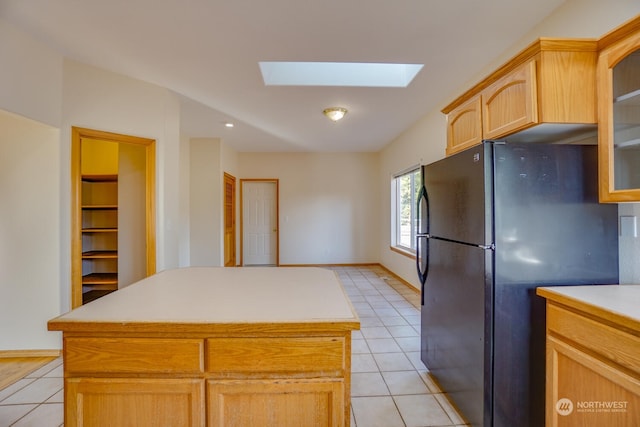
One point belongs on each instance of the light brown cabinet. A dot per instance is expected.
(552, 81)
(195, 347)
(282, 403)
(264, 379)
(464, 125)
(592, 363)
(98, 402)
(619, 112)
(510, 104)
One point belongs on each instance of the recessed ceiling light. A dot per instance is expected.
(363, 74)
(228, 124)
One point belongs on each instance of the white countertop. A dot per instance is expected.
(620, 300)
(224, 295)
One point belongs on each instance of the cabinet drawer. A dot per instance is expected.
(132, 355)
(617, 346)
(324, 355)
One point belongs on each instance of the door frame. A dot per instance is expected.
(77, 134)
(277, 184)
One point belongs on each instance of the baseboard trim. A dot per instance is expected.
(368, 264)
(29, 353)
(400, 279)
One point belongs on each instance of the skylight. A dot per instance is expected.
(275, 73)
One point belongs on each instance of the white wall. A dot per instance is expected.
(629, 247)
(329, 204)
(425, 141)
(184, 238)
(421, 144)
(98, 99)
(29, 233)
(205, 189)
(132, 215)
(30, 77)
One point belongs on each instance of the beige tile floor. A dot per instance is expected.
(390, 387)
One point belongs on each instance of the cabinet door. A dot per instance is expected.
(282, 403)
(132, 402)
(510, 104)
(583, 390)
(619, 126)
(464, 126)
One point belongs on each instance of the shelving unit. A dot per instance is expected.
(99, 235)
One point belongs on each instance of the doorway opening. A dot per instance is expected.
(259, 222)
(112, 212)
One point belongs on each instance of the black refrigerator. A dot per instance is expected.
(495, 222)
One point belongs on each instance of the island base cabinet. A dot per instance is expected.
(110, 402)
(282, 403)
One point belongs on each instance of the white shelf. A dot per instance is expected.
(631, 98)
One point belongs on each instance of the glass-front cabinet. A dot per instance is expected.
(619, 115)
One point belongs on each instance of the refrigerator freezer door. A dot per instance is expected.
(454, 316)
(457, 199)
(549, 226)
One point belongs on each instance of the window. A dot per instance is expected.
(405, 189)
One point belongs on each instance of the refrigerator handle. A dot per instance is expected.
(422, 234)
(422, 275)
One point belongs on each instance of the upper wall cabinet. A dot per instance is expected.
(510, 103)
(619, 111)
(464, 125)
(551, 81)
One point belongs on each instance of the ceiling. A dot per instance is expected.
(207, 51)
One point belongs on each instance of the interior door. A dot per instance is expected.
(260, 222)
(229, 220)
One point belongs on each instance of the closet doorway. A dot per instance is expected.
(112, 212)
(259, 226)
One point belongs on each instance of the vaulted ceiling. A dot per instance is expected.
(208, 51)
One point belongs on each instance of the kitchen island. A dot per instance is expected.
(212, 346)
(593, 355)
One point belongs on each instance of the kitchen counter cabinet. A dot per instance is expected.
(464, 126)
(619, 112)
(550, 82)
(212, 346)
(593, 355)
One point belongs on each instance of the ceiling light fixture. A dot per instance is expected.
(335, 113)
(228, 124)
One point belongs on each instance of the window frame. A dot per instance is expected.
(396, 210)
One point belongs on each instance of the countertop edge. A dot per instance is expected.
(206, 328)
(554, 294)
